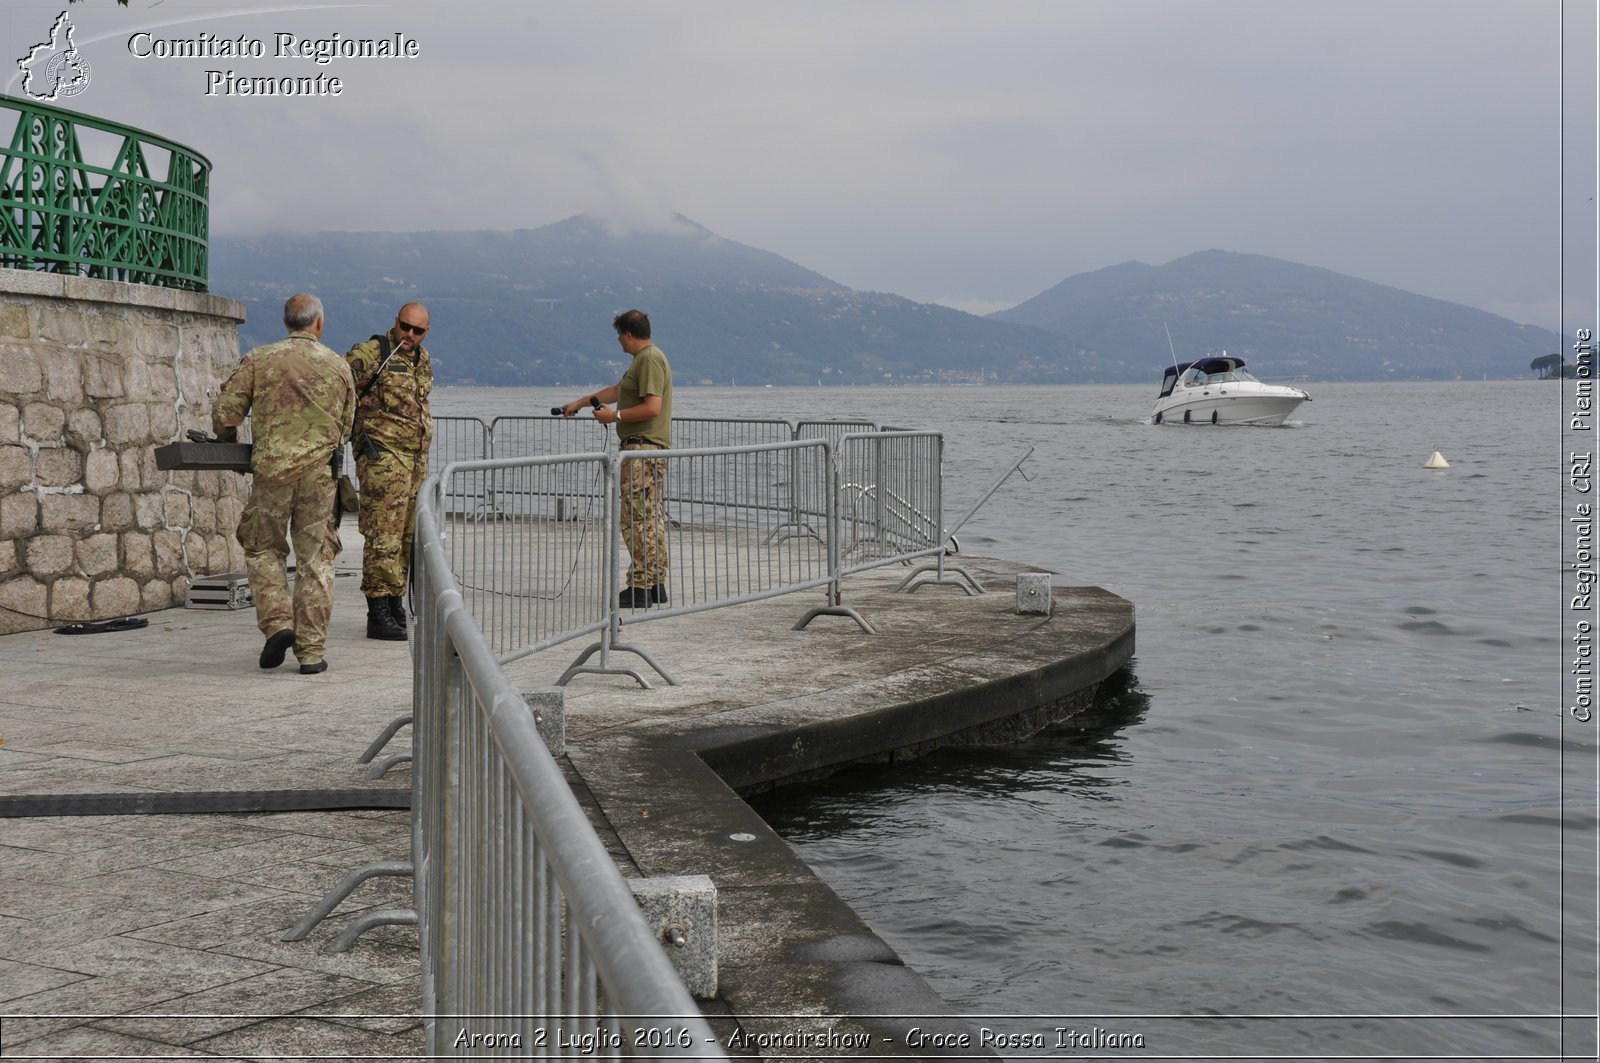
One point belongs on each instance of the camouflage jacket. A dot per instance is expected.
(300, 399)
(394, 411)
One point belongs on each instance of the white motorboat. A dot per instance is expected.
(1218, 389)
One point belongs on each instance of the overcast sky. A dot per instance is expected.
(955, 151)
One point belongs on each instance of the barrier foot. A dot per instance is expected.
(651, 661)
(784, 532)
(606, 668)
(378, 770)
(908, 585)
(389, 917)
(383, 739)
(834, 610)
(347, 886)
(577, 670)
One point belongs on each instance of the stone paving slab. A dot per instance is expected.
(113, 928)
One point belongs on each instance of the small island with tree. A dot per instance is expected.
(1555, 367)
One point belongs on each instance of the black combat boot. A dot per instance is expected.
(397, 610)
(380, 625)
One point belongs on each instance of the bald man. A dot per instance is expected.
(393, 427)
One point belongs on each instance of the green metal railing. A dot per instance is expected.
(108, 217)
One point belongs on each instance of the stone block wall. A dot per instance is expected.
(94, 375)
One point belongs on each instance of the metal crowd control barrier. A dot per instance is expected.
(745, 523)
(833, 431)
(891, 498)
(545, 435)
(537, 575)
(532, 578)
(457, 439)
(549, 570)
(805, 501)
(891, 506)
(486, 492)
(704, 433)
(727, 504)
(542, 436)
(699, 433)
(531, 939)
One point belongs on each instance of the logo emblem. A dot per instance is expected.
(55, 69)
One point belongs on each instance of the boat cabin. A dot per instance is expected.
(1210, 370)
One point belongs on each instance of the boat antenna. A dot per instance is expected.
(1169, 344)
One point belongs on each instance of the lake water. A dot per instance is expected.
(1335, 808)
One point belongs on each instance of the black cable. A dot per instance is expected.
(203, 802)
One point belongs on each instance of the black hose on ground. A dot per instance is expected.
(203, 802)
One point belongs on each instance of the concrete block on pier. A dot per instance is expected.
(1033, 593)
(549, 708)
(682, 911)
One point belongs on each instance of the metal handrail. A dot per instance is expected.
(108, 218)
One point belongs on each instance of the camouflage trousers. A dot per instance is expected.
(644, 517)
(389, 486)
(303, 509)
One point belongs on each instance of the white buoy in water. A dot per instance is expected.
(1436, 462)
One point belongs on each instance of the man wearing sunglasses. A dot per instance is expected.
(393, 427)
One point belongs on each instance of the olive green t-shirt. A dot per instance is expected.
(649, 374)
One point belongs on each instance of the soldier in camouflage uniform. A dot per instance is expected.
(300, 399)
(643, 417)
(394, 426)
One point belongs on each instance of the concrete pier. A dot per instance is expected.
(155, 935)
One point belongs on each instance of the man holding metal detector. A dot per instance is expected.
(300, 400)
(393, 428)
(643, 417)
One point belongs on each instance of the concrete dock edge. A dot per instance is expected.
(796, 961)
(138, 935)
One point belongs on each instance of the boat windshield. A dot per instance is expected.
(1196, 376)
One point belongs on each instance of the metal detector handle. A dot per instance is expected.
(561, 411)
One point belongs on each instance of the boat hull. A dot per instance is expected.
(1229, 407)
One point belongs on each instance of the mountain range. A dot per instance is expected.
(534, 307)
(1285, 318)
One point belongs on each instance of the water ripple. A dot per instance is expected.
(1345, 727)
(1394, 930)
